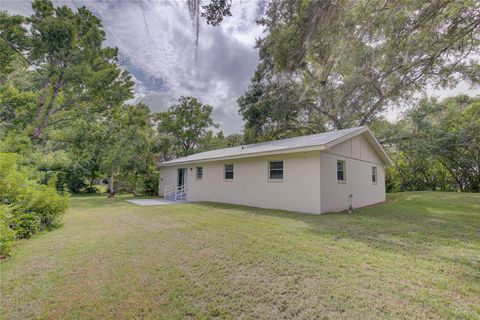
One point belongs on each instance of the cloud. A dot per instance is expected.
(157, 41)
(23, 8)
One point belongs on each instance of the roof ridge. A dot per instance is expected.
(276, 145)
(297, 137)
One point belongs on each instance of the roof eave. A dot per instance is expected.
(386, 159)
(373, 141)
(251, 155)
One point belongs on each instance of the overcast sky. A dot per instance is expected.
(156, 39)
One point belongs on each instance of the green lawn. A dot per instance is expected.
(417, 256)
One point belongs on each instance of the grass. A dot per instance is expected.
(415, 257)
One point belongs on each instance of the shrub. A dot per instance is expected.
(74, 180)
(151, 183)
(138, 183)
(92, 189)
(7, 235)
(47, 205)
(25, 224)
(27, 206)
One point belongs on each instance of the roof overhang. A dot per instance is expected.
(365, 131)
(250, 155)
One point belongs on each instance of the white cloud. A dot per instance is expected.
(157, 39)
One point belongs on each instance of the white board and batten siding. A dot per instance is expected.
(359, 157)
(309, 181)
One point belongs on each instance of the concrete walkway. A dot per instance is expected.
(154, 202)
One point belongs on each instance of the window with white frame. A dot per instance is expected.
(374, 175)
(275, 170)
(341, 171)
(228, 172)
(199, 173)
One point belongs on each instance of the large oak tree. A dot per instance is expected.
(353, 59)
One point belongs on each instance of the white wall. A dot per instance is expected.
(168, 175)
(359, 157)
(299, 190)
(309, 184)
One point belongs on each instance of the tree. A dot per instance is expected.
(216, 10)
(128, 150)
(435, 146)
(213, 12)
(273, 108)
(234, 140)
(184, 126)
(67, 92)
(213, 141)
(17, 108)
(457, 141)
(356, 58)
(64, 120)
(12, 41)
(65, 48)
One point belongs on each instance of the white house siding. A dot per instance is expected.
(168, 175)
(299, 190)
(359, 157)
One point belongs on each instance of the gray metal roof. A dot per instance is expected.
(315, 140)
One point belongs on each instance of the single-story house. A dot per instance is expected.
(318, 173)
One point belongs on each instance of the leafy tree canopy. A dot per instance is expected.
(65, 48)
(356, 58)
(435, 146)
(184, 126)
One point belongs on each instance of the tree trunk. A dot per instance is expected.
(320, 12)
(42, 119)
(41, 106)
(110, 188)
(91, 181)
(134, 186)
(41, 99)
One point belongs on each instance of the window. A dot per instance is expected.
(275, 170)
(374, 175)
(199, 173)
(341, 176)
(229, 172)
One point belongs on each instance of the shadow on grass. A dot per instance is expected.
(412, 224)
(421, 225)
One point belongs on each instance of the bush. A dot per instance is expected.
(25, 225)
(74, 181)
(130, 182)
(47, 205)
(138, 183)
(7, 235)
(27, 206)
(92, 189)
(151, 183)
